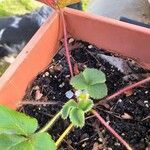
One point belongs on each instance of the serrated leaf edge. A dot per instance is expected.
(92, 104)
(69, 108)
(71, 119)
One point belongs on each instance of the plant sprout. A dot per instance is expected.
(89, 84)
(19, 131)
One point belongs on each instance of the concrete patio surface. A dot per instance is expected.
(134, 9)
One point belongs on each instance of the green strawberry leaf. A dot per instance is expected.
(7, 141)
(77, 117)
(98, 91)
(67, 107)
(38, 141)
(86, 105)
(93, 76)
(13, 122)
(41, 141)
(78, 82)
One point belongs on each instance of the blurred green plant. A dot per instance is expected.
(17, 7)
(85, 4)
(3, 67)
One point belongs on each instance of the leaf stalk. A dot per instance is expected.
(65, 133)
(50, 123)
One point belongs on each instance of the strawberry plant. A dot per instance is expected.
(89, 84)
(18, 131)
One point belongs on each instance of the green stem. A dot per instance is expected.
(65, 133)
(50, 123)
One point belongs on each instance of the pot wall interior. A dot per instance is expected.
(113, 35)
(36, 55)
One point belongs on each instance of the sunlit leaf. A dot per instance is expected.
(64, 3)
(38, 141)
(13, 122)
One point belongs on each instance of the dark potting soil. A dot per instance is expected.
(128, 114)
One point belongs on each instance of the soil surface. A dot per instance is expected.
(128, 114)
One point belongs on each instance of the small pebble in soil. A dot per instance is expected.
(90, 46)
(71, 40)
(84, 144)
(36, 88)
(62, 85)
(117, 144)
(122, 134)
(46, 74)
(120, 101)
(147, 105)
(38, 95)
(68, 76)
(126, 116)
(100, 140)
(146, 102)
(146, 92)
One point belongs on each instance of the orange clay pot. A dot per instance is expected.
(119, 37)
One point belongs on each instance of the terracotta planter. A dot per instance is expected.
(127, 40)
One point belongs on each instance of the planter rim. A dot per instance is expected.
(24, 53)
(26, 50)
(107, 20)
(119, 32)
